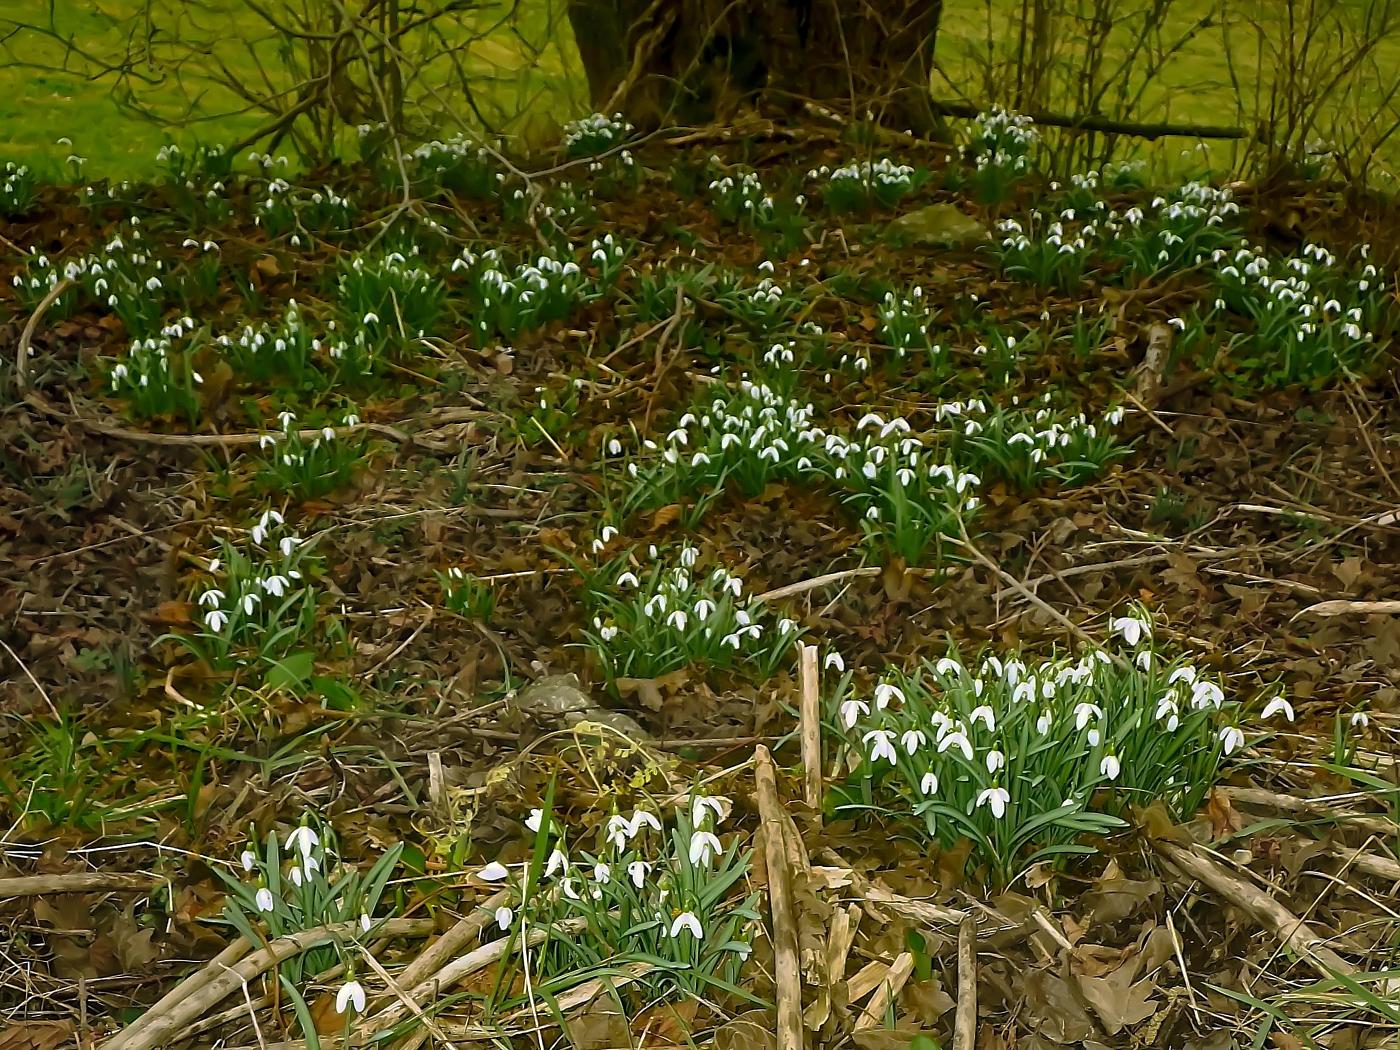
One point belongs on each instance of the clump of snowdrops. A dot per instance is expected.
(1024, 757)
(645, 887)
(658, 611)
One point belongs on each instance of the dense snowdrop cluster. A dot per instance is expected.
(156, 377)
(503, 301)
(19, 188)
(748, 435)
(592, 135)
(651, 887)
(456, 163)
(1175, 230)
(265, 350)
(1000, 144)
(660, 612)
(1024, 755)
(1025, 446)
(905, 320)
(1314, 312)
(863, 184)
(741, 198)
(907, 499)
(395, 299)
(466, 595)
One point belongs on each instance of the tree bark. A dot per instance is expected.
(694, 61)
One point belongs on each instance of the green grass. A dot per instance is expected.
(38, 106)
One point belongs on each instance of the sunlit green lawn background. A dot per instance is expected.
(531, 82)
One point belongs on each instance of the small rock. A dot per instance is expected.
(939, 226)
(558, 699)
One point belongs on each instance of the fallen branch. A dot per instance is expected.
(1106, 125)
(811, 731)
(787, 974)
(182, 991)
(1371, 823)
(891, 984)
(1342, 606)
(74, 882)
(965, 1020)
(27, 336)
(1295, 934)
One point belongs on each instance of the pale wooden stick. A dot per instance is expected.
(464, 932)
(811, 731)
(787, 970)
(965, 1020)
(1296, 934)
(1371, 823)
(1342, 606)
(890, 986)
(74, 882)
(231, 953)
(164, 1029)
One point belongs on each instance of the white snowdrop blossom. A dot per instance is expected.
(350, 996)
(997, 798)
(1279, 705)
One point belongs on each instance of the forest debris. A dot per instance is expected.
(1149, 375)
(811, 731)
(1343, 606)
(787, 976)
(965, 1020)
(1296, 934)
(889, 985)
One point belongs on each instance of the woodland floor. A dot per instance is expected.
(1236, 510)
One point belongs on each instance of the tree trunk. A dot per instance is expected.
(692, 61)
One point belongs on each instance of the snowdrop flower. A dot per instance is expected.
(628, 579)
(493, 872)
(263, 899)
(275, 585)
(297, 877)
(533, 820)
(351, 994)
(247, 858)
(558, 861)
(912, 740)
(948, 666)
(997, 798)
(928, 785)
(959, 740)
(304, 839)
(1277, 706)
(687, 921)
(601, 872)
(1083, 712)
(833, 659)
(1093, 736)
(1360, 720)
(1185, 674)
(1205, 694)
(851, 710)
(703, 846)
(881, 743)
(1042, 724)
(984, 714)
(637, 871)
(1144, 660)
(619, 830)
(1131, 628)
(1109, 767)
(211, 598)
(504, 917)
(286, 544)
(995, 761)
(216, 620)
(1231, 739)
(702, 803)
(884, 693)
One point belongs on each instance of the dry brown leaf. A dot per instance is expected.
(752, 1030)
(37, 1035)
(1224, 819)
(665, 516)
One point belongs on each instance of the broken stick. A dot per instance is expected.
(786, 969)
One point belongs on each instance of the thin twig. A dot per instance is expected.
(26, 336)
